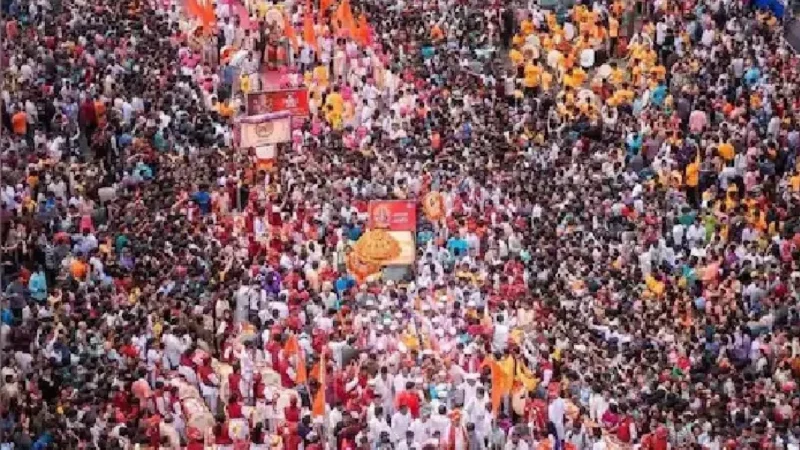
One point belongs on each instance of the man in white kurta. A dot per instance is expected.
(555, 413)
(401, 422)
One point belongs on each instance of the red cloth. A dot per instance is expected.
(410, 399)
(624, 429)
(87, 113)
(223, 437)
(537, 411)
(186, 360)
(234, 410)
(234, 382)
(204, 373)
(283, 370)
(292, 414)
(291, 441)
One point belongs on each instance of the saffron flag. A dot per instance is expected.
(323, 8)
(502, 382)
(318, 407)
(344, 15)
(193, 8)
(302, 375)
(202, 11)
(288, 30)
(291, 347)
(315, 372)
(308, 27)
(362, 31)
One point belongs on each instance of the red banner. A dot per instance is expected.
(293, 100)
(392, 215)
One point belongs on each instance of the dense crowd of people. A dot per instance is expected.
(616, 265)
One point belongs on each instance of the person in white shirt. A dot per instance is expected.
(598, 404)
(409, 443)
(401, 421)
(378, 425)
(422, 427)
(515, 443)
(555, 413)
(500, 336)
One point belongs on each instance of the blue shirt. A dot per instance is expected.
(344, 283)
(659, 95)
(144, 171)
(7, 317)
(457, 246)
(752, 75)
(203, 200)
(43, 441)
(37, 285)
(354, 233)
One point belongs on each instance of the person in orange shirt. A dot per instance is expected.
(726, 150)
(613, 36)
(19, 123)
(78, 268)
(531, 80)
(693, 181)
(436, 33)
(100, 108)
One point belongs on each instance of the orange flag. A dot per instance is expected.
(291, 347)
(204, 12)
(308, 27)
(344, 14)
(362, 31)
(502, 383)
(302, 376)
(288, 30)
(193, 8)
(315, 372)
(318, 408)
(323, 7)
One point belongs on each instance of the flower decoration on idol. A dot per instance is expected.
(377, 246)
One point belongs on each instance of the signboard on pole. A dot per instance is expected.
(392, 215)
(399, 219)
(265, 129)
(293, 100)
